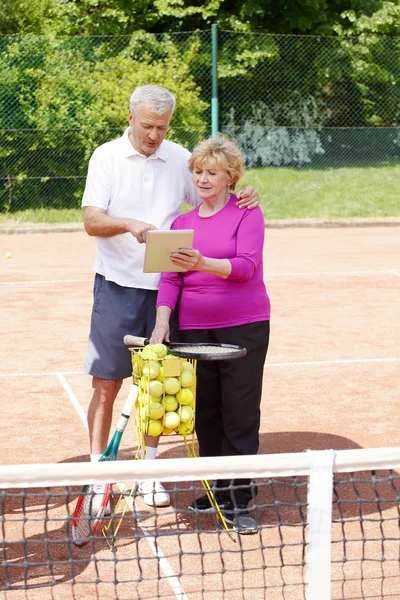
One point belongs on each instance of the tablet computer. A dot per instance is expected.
(159, 247)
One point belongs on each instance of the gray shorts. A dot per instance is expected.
(117, 311)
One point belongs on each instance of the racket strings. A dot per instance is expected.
(81, 527)
(88, 514)
(206, 350)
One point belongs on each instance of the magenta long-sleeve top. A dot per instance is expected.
(207, 301)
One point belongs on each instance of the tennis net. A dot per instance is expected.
(328, 528)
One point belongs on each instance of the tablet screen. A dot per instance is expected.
(159, 247)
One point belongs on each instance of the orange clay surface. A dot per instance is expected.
(331, 381)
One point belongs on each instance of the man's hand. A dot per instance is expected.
(98, 223)
(139, 229)
(248, 197)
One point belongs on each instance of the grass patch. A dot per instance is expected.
(41, 216)
(289, 193)
(286, 193)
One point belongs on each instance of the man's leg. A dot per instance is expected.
(116, 311)
(100, 413)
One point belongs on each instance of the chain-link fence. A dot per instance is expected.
(304, 101)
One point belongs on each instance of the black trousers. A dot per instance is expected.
(228, 398)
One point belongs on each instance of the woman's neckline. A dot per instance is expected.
(214, 213)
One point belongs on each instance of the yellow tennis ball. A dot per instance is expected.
(170, 403)
(185, 396)
(160, 349)
(151, 369)
(156, 410)
(171, 385)
(161, 374)
(185, 413)
(156, 388)
(187, 366)
(8, 254)
(167, 431)
(155, 428)
(185, 428)
(149, 353)
(186, 378)
(171, 420)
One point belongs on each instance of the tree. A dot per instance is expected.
(29, 16)
(61, 97)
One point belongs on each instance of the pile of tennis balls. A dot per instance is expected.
(164, 404)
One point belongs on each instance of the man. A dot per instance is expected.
(134, 184)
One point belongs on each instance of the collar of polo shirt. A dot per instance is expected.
(129, 150)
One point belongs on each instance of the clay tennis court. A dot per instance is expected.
(331, 381)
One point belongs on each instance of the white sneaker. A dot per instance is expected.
(153, 493)
(94, 498)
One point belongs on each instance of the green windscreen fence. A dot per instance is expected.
(300, 101)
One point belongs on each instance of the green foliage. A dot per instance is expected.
(63, 94)
(385, 20)
(374, 61)
(62, 98)
(114, 17)
(27, 16)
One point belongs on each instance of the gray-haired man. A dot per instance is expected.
(134, 183)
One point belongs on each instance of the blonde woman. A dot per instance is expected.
(222, 298)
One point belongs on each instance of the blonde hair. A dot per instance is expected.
(222, 153)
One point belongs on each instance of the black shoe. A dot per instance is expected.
(238, 516)
(204, 505)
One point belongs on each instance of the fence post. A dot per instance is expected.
(214, 80)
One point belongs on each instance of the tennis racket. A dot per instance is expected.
(199, 351)
(91, 506)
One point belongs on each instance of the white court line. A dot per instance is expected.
(46, 282)
(288, 274)
(164, 564)
(332, 273)
(166, 568)
(43, 374)
(308, 363)
(349, 361)
(72, 397)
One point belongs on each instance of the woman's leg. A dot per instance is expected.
(241, 388)
(208, 419)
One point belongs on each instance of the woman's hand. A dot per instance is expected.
(248, 197)
(161, 328)
(160, 334)
(189, 259)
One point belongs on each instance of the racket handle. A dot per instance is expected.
(130, 401)
(134, 340)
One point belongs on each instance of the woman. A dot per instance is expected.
(222, 298)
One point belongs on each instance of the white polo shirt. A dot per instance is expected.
(127, 184)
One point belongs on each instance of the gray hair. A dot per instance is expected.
(157, 98)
